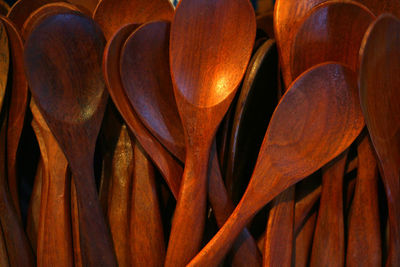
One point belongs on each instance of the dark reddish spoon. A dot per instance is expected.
(63, 64)
(379, 81)
(316, 120)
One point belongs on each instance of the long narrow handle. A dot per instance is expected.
(146, 229)
(303, 241)
(328, 245)
(75, 226)
(189, 217)
(364, 237)
(95, 238)
(244, 251)
(279, 238)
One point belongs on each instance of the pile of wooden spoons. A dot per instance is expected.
(133, 133)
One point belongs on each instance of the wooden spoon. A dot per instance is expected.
(112, 15)
(147, 82)
(17, 108)
(55, 220)
(303, 242)
(328, 25)
(43, 12)
(210, 46)
(322, 118)
(328, 245)
(364, 236)
(379, 96)
(4, 64)
(60, 46)
(156, 34)
(256, 103)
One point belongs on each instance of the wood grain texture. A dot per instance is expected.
(74, 45)
(278, 244)
(147, 247)
(43, 12)
(256, 103)
(146, 78)
(207, 59)
(54, 245)
(18, 105)
(165, 162)
(32, 221)
(364, 245)
(18, 248)
(78, 262)
(328, 25)
(379, 93)
(289, 14)
(303, 243)
(325, 93)
(328, 245)
(112, 15)
(119, 195)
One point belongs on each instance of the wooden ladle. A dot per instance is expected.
(63, 64)
(210, 46)
(316, 120)
(379, 95)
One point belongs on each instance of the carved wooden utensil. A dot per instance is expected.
(4, 64)
(112, 15)
(328, 247)
(289, 14)
(144, 62)
(55, 219)
(211, 43)
(63, 64)
(147, 82)
(379, 96)
(364, 245)
(256, 103)
(322, 118)
(17, 108)
(323, 29)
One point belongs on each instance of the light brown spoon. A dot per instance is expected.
(68, 47)
(322, 118)
(210, 46)
(112, 15)
(379, 95)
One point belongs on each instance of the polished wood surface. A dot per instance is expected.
(378, 95)
(280, 159)
(364, 245)
(78, 125)
(328, 245)
(325, 35)
(204, 87)
(112, 15)
(147, 82)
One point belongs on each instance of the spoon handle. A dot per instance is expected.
(245, 251)
(328, 244)
(364, 237)
(189, 216)
(146, 229)
(75, 226)
(303, 242)
(279, 238)
(95, 237)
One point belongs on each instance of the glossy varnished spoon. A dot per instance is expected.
(210, 46)
(323, 29)
(364, 245)
(144, 62)
(379, 96)
(76, 85)
(321, 118)
(112, 15)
